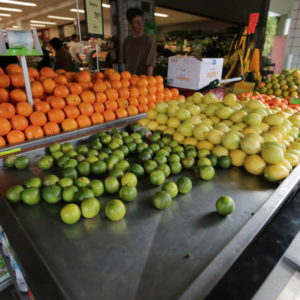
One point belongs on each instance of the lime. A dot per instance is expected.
(188, 162)
(225, 162)
(154, 147)
(184, 185)
(55, 147)
(50, 180)
(67, 147)
(115, 131)
(157, 177)
(141, 133)
(57, 155)
(180, 154)
(191, 152)
(203, 153)
(128, 193)
(162, 199)
(84, 168)
(71, 153)
(90, 208)
(92, 152)
(175, 167)
(144, 156)
(70, 173)
(124, 149)
(128, 139)
(111, 162)
(160, 143)
(83, 150)
(62, 161)
(99, 134)
(119, 141)
(97, 187)
(171, 188)
(70, 213)
(203, 161)
(9, 161)
(45, 162)
(160, 159)
(178, 149)
(115, 210)
(117, 173)
(141, 147)
(82, 182)
(14, 193)
(158, 132)
(107, 151)
(91, 159)
(166, 140)
(96, 145)
(132, 147)
(22, 162)
(119, 154)
(173, 157)
(225, 205)
(33, 182)
(105, 139)
(52, 194)
(165, 168)
(154, 137)
(31, 196)
(99, 167)
(135, 126)
(150, 166)
(111, 185)
(124, 134)
(103, 156)
(65, 182)
(71, 163)
(116, 136)
(113, 145)
(207, 172)
(129, 179)
(138, 141)
(213, 158)
(137, 170)
(123, 165)
(148, 150)
(163, 152)
(69, 192)
(173, 144)
(83, 193)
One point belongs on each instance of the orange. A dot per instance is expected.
(38, 118)
(56, 115)
(159, 79)
(99, 87)
(15, 137)
(101, 97)
(125, 83)
(168, 94)
(58, 102)
(151, 105)
(159, 88)
(13, 68)
(142, 108)
(121, 113)
(133, 101)
(175, 93)
(7, 110)
(122, 102)
(142, 82)
(112, 94)
(40, 79)
(49, 85)
(60, 80)
(114, 76)
(69, 124)
(86, 109)
(143, 100)
(151, 98)
(124, 93)
(36, 100)
(33, 72)
(18, 95)
(51, 128)
(108, 71)
(60, 71)
(97, 118)
(126, 75)
(181, 97)
(160, 96)
(83, 121)
(69, 76)
(83, 76)
(61, 91)
(4, 81)
(71, 111)
(5, 126)
(4, 95)
(2, 142)
(152, 89)
(132, 110)
(88, 96)
(1, 71)
(134, 92)
(134, 79)
(47, 72)
(73, 99)
(111, 105)
(19, 123)
(109, 115)
(17, 80)
(37, 89)
(143, 77)
(33, 132)
(143, 91)
(24, 109)
(116, 84)
(31, 79)
(98, 75)
(107, 83)
(75, 88)
(151, 81)
(99, 107)
(42, 106)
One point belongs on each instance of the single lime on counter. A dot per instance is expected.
(70, 213)
(225, 205)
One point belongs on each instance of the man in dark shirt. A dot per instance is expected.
(63, 59)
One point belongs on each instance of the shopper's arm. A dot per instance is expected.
(150, 71)
(78, 56)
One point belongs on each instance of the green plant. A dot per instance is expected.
(270, 33)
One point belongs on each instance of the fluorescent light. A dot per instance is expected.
(42, 22)
(105, 5)
(11, 9)
(11, 29)
(79, 10)
(38, 25)
(161, 15)
(15, 26)
(5, 15)
(61, 18)
(18, 2)
(273, 14)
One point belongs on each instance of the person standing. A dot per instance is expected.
(75, 49)
(139, 50)
(63, 59)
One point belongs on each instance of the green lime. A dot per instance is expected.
(203, 153)
(57, 155)
(14, 193)
(162, 199)
(213, 158)
(160, 143)
(92, 152)
(111, 162)
(128, 139)
(184, 185)
(225, 205)
(119, 141)
(117, 173)
(124, 133)
(70, 213)
(103, 156)
(67, 147)
(65, 182)
(105, 139)
(148, 150)
(91, 159)
(50, 180)
(83, 193)
(119, 154)
(163, 152)
(190, 147)
(112, 185)
(173, 144)
(191, 152)
(33, 182)
(166, 140)
(23, 162)
(154, 137)
(96, 145)
(97, 187)
(188, 162)
(98, 167)
(82, 149)
(141, 147)
(225, 162)
(9, 161)
(70, 173)
(71, 153)
(180, 154)
(203, 161)
(160, 159)
(173, 157)
(143, 157)
(84, 168)
(124, 149)
(175, 167)
(115, 210)
(171, 188)
(107, 151)
(80, 158)
(31, 196)
(115, 131)
(135, 135)
(100, 133)
(62, 161)
(137, 170)
(113, 145)
(150, 166)
(45, 162)
(178, 149)
(132, 147)
(82, 182)
(160, 132)
(71, 163)
(154, 147)
(157, 177)
(69, 192)
(138, 141)
(56, 147)
(123, 165)
(207, 172)
(165, 168)
(129, 179)
(90, 208)
(128, 193)
(135, 126)
(142, 133)
(52, 194)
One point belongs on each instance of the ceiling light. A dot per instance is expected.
(105, 5)
(61, 18)
(5, 15)
(79, 10)
(42, 22)
(15, 26)
(17, 3)
(11, 9)
(161, 15)
(38, 25)
(273, 14)
(11, 29)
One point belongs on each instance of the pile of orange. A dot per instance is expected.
(66, 101)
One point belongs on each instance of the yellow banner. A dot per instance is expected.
(93, 17)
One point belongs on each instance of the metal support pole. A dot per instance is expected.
(97, 58)
(120, 34)
(26, 79)
(78, 20)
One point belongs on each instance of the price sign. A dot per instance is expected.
(94, 17)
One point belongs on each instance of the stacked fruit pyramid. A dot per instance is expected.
(249, 133)
(65, 101)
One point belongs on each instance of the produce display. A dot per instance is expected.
(65, 101)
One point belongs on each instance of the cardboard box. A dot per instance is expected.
(191, 73)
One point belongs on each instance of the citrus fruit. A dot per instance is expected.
(255, 165)
(150, 166)
(175, 167)
(171, 188)
(90, 208)
(9, 161)
(70, 213)
(203, 161)
(82, 149)
(45, 162)
(70, 173)
(50, 180)
(33, 182)
(160, 158)
(84, 168)
(157, 177)
(98, 167)
(224, 162)
(272, 154)
(103, 156)
(71, 153)
(123, 165)
(165, 168)
(111, 162)
(92, 152)
(14, 193)
(132, 147)
(83, 193)
(238, 157)
(124, 149)
(65, 182)
(225, 205)
(71, 163)
(55, 147)
(128, 193)
(111, 185)
(207, 172)
(82, 182)
(67, 147)
(96, 145)
(173, 157)
(162, 199)
(52, 194)
(137, 170)
(129, 179)
(31, 196)
(62, 161)
(184, 185)
(69, 192)
(117, 173)
(115, 210)
(213, 158)
(276, 172)
(22, 162)
(188, 162)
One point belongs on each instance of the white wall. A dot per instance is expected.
(282, 7)
(53, 32)
(107, 28)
